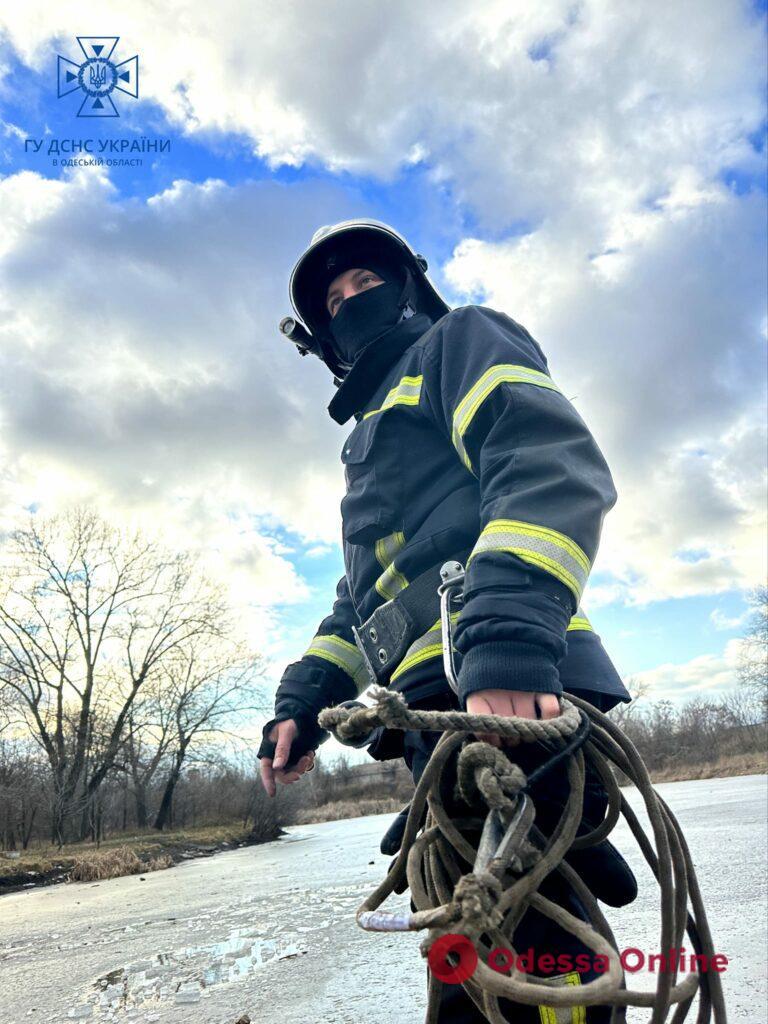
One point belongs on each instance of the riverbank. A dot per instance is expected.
(727, 767)
(120, 855)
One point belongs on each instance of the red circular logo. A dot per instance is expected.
(452, 958)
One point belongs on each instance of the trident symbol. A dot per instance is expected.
(98, 76)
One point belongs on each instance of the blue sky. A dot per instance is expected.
(616, 211)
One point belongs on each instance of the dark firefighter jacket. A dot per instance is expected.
(464, 447)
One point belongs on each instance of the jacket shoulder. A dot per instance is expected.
(481, 327)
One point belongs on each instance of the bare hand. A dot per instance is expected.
(511, 703)
(273, 769)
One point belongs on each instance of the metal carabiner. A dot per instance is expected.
(451, 592)
(501, 845)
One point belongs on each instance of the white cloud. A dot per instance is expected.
(704, 676)
(721, 621)
(524, 109)
(143, 374)
(665, 361)
(603, 128)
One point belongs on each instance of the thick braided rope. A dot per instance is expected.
(488, 904)
(392, 711)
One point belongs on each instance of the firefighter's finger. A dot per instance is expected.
(267, 776)
(525, 706)
(286, 733)
(285, 778)
(549, 705)
(304, 763)
(478, 704)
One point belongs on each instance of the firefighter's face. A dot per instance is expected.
(351, 282)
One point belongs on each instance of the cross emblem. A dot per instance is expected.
(98, 76)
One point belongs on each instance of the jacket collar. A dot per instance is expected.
(369, 368)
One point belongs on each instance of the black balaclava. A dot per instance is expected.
(364, 317)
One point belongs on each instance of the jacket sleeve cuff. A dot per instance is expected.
(507, 665)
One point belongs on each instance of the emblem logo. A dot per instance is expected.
(98, 76)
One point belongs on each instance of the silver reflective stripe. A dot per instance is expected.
(391, 582)
(387, 548)
(503, 373)
(430, 645)
(545, 548)
(407, 392)
(580, 621)
(344, 655)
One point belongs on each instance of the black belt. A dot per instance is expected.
(384, 638)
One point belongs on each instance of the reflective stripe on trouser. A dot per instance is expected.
(503, 373)
(406, 392)
(344, 655)
(391, 582)
(563, 1014)
(540, 546)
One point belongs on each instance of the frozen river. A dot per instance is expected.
(269, 931)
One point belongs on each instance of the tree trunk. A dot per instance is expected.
(166, 804)
(164, 814)
(142, 811)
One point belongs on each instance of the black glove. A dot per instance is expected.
(309, 737)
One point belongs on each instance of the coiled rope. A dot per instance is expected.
(487, 904)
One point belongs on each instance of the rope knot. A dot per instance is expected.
(475, 900)
(391, 709)
(485, 772)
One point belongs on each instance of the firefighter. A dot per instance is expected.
(463, 447)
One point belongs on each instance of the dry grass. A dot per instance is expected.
(339, 809)
(45, 857)
(726, 766)
(102, 864)
(120, 855)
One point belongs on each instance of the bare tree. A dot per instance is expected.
(87, 616)
(148, 737)
(753, 655)
(209, 688)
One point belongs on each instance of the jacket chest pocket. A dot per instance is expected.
(371, 507)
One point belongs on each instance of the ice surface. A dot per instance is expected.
(268, 932)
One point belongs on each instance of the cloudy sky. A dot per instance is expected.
(596, 169)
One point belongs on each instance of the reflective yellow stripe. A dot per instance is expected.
(387, 548)
(344, 655)
(407, 392)
(429, 645)
(563, 1014)
(501, 374)
(580, 621)
(539, 545)
(391, 582)
(578, 1013)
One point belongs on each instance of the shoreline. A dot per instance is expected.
(47, 869)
